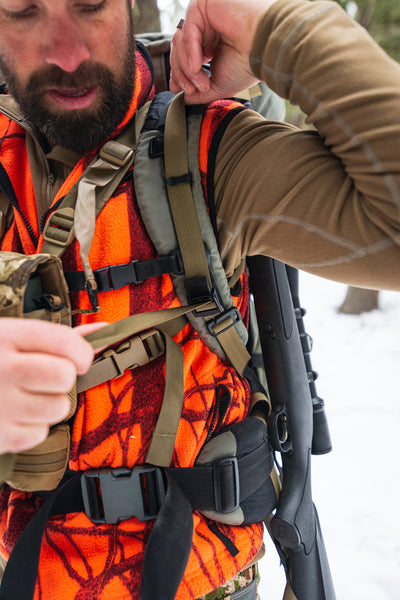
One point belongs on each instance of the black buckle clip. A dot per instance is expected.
(226, 484)
(114, 277)
(232, 313)
(113, 495)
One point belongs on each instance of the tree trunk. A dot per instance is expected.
(359, 300)
(146, 16)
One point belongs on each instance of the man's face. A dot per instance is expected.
(70, 66)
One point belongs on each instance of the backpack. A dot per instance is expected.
(204, 290)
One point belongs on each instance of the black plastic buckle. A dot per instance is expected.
(115, 277)
(234, 315)
(226, 484)
(113, 495)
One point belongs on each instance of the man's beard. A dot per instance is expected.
(82, 129)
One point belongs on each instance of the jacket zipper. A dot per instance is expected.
(222, 399)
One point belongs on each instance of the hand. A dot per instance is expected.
(39, 364)
(222, 32)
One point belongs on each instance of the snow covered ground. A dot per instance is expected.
(355, 487)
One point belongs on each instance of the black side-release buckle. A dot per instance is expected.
(226, 484)
(113, 495)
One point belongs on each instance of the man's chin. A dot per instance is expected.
(79, 132)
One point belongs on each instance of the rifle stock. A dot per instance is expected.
(295, 526)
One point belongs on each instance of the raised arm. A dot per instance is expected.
(326, 200)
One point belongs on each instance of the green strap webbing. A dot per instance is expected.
(231, 343)
(187, 227)
(134, 352)
(163, 440)
(289, 593)
(186, 221)
(115, 332)
(103, 175)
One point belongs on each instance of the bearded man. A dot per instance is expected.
(327, 201)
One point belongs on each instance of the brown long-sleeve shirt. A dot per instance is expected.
(328, 201)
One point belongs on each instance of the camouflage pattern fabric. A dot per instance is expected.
(240, 581)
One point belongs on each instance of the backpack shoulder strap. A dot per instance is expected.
(174, 211)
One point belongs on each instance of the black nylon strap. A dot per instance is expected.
(19, 577)
(114, 277)
(168, 547)
(169, 544)
(197, 483)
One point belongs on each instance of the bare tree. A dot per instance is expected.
(359, 300)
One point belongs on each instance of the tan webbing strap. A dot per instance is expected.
(231, 343)
(163, 440)
(116, 332)
(289, 593)
(237, 274)
(187, 226)
(134, 352)
(95, 187)
(184, 214)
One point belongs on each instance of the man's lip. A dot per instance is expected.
(73, 98)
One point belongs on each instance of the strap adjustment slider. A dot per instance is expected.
(115, 153)
(59, 227)
(224, 321)
(226, 484)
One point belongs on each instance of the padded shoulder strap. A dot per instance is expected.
(179, 218)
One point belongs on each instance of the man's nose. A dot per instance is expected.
(64, 45)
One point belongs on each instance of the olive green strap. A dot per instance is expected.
(132, 353)
(95, 186)
(7, 463)
(163, 440)
(187, 227)
(289, 593)
(115, 332)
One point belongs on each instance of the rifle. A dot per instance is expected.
(297, 427)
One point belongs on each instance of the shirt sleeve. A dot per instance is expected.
(325, 200)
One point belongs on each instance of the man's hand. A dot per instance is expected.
(220, 32)
(39, 362)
